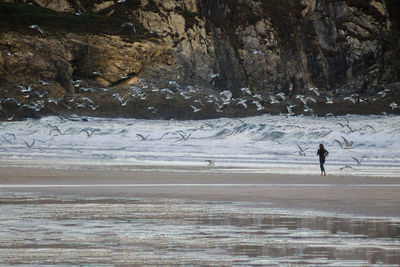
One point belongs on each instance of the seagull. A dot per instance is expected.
(307, 109)
(8, 141)
(367, 126)
(210, 162)
(246, 90)
(302, 99)
(34, 26)
(54, 128)
(258, 104)
(350, 99)
(88, 131)
(87, 99)
(214, 75)
(345, 125)
(143, 137)
(80, 105)
(26, 89)
(185, 96)
(12, 135)
(153, 109)
(226, 96)
(97, 73)
(121, 99)
(346, 167)
(273, 100)
(315, 91)
(357, 160)
(166, 90)
(87, 89)
(312, 99)
(129, 25)
(340, 143)
(219, 107)
(301, 150)
(242, 102)
(183, 136)
(257, 52)
(350, 129)
(290, 111)
(382, 93)
(29, 146)
(79, 12)
(393, 105)
(199, 101)
(173, 83)
(347, 143)
(258, 96)
(212, 98)
(40, 94)
(9, 117)
(195, 109)
(12, 99)
(93, 107)
(282, 96)
(329, 100)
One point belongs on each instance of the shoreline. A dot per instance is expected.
(353, 195)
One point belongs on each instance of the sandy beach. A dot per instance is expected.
(367, 196)
(120, 216)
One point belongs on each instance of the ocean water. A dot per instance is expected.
(263, 144)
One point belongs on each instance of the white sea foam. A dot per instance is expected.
(266, 144)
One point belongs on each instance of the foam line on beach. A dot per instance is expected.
(191, 185)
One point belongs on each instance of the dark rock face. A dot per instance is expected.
(195, 59)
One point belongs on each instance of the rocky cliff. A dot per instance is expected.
(190, 59)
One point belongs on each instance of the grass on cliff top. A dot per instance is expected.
(18, 18)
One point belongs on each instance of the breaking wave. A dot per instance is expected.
(358, 145)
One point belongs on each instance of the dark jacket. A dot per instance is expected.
(322, 154)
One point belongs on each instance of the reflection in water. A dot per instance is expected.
(38, 230)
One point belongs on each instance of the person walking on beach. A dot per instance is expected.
(322, 153)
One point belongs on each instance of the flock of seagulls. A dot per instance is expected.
(196, 100)
(344, 143)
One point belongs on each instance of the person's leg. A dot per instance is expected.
(321, 164)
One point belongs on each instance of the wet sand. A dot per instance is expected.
(365, 196)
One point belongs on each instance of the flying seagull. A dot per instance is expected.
(301, 150)
(143, 137)
(315, 91)
(347, 143)
(346, 167)
(29, 146)
(340, 143)
(36, 27)
(195, 109)
(246, 90)
(357, 160)
(88, 131)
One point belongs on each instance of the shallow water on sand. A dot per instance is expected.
(40, 229)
